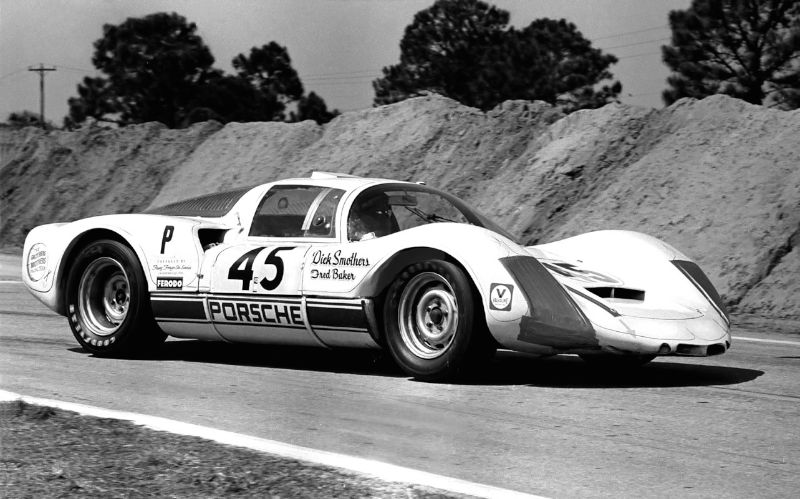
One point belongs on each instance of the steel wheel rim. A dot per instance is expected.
(428, 315)
(104, 296)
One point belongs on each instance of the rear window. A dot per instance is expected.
(297, 211)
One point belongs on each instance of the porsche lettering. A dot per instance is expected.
(266, 313)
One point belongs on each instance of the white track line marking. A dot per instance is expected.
(9, 282)
(775, 342)
(383, 471)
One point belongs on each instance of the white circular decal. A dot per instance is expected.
(37, 262)
(500, 296)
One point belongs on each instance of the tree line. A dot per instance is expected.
(157, 68)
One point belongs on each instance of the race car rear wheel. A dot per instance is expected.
(108, 305)
(432, 328)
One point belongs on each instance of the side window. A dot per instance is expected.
(297, 211)
(371, 216)
(376, 214)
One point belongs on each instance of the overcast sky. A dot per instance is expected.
(337, 46)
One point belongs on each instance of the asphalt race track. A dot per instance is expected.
(713, 427)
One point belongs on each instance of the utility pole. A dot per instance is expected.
(41, 70)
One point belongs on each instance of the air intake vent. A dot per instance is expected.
(614, 292)
(717, 349)
(691, 350)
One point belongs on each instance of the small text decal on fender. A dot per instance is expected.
(169, 282)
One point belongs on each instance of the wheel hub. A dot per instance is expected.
(103, 296)
(428, 315)
(436, 315)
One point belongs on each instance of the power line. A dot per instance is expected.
(637, 55)
(631, 32)
(371, 74)
(74, 69)
(370, 71)
(343, 79)
(8, 75)
(339, 83)
(635, 43)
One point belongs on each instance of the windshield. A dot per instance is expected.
(388, 208)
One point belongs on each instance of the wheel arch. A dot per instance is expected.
(383, 276)
(376, 286)
(71, 253)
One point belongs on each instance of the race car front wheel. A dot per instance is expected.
(432, 328)
(108, 305)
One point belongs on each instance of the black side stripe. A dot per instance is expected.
(324, 316)
(263, 325)
(329, 317)
(179, 309)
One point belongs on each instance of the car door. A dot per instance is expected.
(256, 286)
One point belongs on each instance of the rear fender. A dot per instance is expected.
(60, 244)
(672, 285)
(165, 246)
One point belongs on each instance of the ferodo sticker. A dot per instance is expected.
(169, 282)
(500, 296)
(37, 262)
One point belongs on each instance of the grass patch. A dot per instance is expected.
(46, 452)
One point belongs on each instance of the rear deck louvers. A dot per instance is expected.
(210, 206)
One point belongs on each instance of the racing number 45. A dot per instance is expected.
(242, 268)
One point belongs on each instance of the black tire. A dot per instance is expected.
(433, 323)
(108, 306)
(612, 361)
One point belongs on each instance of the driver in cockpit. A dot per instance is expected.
(371, 217)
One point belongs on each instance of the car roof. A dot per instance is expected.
(337, 180)
(219, 204)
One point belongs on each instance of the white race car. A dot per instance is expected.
(341, 261)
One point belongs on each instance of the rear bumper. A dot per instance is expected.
(696, 337)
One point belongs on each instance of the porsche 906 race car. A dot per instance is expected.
(342, 261)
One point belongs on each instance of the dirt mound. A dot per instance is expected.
(717, 178)
(62, 176)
